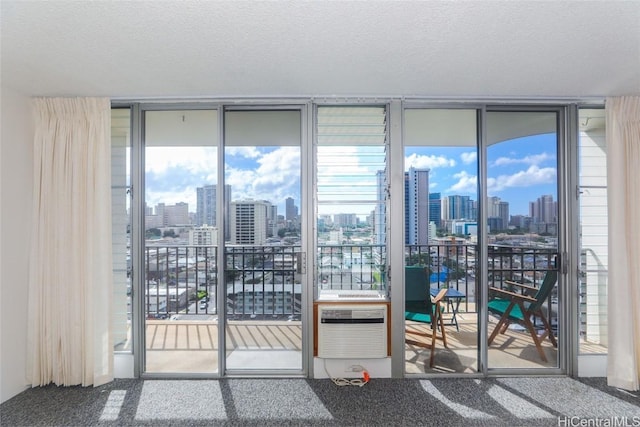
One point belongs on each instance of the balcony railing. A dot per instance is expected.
(180, 279)
(264, 281)
(352, 267)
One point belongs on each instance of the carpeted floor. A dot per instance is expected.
(384, 402)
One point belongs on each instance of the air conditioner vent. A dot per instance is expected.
(352, 331)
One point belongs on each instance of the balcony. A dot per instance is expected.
(263, 300)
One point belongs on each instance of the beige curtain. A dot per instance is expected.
(70, 279)
(623, 175)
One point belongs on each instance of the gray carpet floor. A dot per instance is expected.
(382, 402)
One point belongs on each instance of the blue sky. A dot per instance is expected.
(519, 171)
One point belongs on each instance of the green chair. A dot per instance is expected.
(421, 307)
(520, 306)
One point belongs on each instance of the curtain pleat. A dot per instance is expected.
(623, 293)
(70, 274)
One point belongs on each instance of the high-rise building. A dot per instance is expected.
(291, 210)
(417, 206)
(544, 210)
(457, 207)
(497, 213)
(206, 200)
(435, 208)
(248, 222)
(272, 220)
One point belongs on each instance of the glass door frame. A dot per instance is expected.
(138, 147)
(399, 364)
(306, 316)
(567, 121)
(565, 291)
(567, 332)
(137, 228)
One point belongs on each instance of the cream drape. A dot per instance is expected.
(623, 187)
(70, 273)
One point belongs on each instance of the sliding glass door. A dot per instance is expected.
(482, 224)
(181, 238)
(264, 208)
(523, 239)
(223, 247)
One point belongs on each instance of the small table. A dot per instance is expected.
(453, 297)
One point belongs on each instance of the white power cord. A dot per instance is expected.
(349, 381)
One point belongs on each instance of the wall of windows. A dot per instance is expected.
(480, 200)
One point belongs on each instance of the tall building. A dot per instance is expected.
(417, 206)
(544, 210)
(291, 210)
(497, 213)
(272, 220)
(206, 200)
(435, 208)
(457, 207)
(248, 222)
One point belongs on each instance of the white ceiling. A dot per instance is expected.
(456, 49)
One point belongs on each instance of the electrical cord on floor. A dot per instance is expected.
(349, 381)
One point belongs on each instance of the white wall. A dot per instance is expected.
(15, 212)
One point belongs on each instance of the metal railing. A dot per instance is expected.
(180, 279)
(264, 281)
(352, 267)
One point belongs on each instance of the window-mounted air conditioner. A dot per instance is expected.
(352, 331)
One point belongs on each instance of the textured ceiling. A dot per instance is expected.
(318, 48)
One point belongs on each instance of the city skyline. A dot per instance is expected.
(519, 171)
(543, 209)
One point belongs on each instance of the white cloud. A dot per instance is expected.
(466, 183)
(532, 176)
(274, 179)
(240, 181)
(431, 162)
(177, 171)
(197, 160)
(469, 157)
(535, 159)
(279, 169)
(281, 163)
(248, 152)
